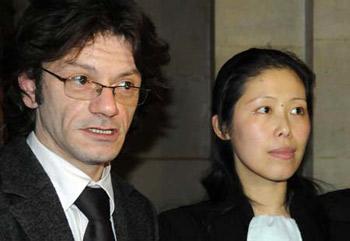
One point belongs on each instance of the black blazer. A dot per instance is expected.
(229, 221)
(337, 206)
(30, 208)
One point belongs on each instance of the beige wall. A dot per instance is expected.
(241, 24)
(332, 117)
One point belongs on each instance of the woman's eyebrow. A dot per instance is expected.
(260, 97)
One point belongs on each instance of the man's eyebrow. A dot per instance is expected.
(130, 72)
(81, 65)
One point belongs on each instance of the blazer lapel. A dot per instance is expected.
(133, 217)
(33, 199)
(42, 217)
(236, 212)
(119, 217)
(308, 214)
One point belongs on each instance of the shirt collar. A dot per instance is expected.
(68, 180)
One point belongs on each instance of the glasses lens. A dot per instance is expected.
(85, 90)
(81, 89)
(127, 95)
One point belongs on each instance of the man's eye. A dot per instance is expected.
(298, 111)
(79, 79)
(264, 110)
(126, 85)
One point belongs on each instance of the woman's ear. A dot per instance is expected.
(28, 87)
(216, 127)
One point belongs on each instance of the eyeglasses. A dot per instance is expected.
(80, 87)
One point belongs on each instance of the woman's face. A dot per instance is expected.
(270, 127)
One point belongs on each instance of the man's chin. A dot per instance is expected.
(97, 162)
(100, 159)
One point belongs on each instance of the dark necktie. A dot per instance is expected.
(94, 203)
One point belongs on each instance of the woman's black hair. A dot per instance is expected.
(223, 180)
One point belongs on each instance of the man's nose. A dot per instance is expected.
(105, 104)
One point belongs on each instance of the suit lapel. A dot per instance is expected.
(42, 217)
(119, 217)
(33, 199)
(307, 212)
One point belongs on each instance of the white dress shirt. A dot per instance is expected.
(69, 183)
(273, 228)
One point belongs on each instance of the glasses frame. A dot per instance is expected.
(142, 91)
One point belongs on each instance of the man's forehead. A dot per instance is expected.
(102, 42)
(100, 45)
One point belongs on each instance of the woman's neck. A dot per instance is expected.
(266, 197)
(268, 200)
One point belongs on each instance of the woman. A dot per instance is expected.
(262, 110)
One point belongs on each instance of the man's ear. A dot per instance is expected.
(216, 127)
(28, 87)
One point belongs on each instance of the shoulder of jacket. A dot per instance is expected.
(337, 204)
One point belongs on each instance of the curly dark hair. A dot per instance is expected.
(223, 179)
(50, 29)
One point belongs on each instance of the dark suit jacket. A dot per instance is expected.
(30, 208)
(337, 205)
(229, 221)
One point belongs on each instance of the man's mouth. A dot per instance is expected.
(102, 131)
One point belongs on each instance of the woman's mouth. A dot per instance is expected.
(285, 153)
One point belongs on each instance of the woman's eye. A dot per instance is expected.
(80, 79)
(264, 110)
(298, 111)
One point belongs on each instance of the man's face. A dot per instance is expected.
(87, 133)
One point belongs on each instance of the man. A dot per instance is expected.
(81, 69)
(337, 207)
